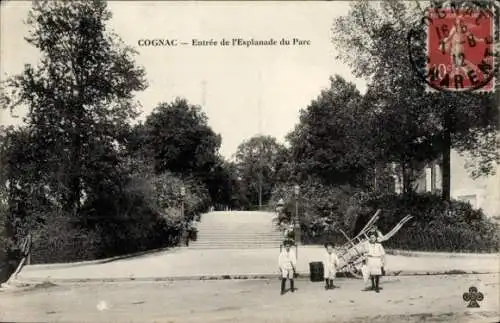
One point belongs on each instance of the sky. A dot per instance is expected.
(247, 91)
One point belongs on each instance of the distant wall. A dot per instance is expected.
(483, 192)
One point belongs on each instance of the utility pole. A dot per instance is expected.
(204, 94)
(259, 106)
(297, 228)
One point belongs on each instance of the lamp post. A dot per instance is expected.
(186, 231)
(183, 193)
(297, 223)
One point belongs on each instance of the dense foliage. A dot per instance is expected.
(180, 140)
(346, 141)
(70, 175)
(257, 164)
(330, 142)
(176, 137)
(149, 217)
(427, 124)
(321, 208)
(437, 225)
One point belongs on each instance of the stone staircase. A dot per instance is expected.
(237, 230)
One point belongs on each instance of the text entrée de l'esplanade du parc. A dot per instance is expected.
(234, 42)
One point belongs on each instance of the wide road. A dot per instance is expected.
(403, 299)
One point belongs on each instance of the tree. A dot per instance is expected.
(330, 141)
(178, 139)
(404, 128)
(222, 182)
(432, 123)
(257, 166)
(287, 169)
(78, 98)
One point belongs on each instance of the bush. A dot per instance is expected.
(61, 241)
(437, 225)
(10, 255)
(322, 210)
(144, 215)
(127, 207)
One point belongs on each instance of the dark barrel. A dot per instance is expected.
(317, 271)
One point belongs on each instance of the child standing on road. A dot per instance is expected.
(287, 263)
(330, 265)
(375, 258)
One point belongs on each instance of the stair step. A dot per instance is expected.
(243, 228)
(234, 243)
(239, 241)
(245, 231)
(276, 243)
(236, 240)
(237, 236)
(255, 241)
(233, 247)
(220, 243)
(246, 235)
(237, 230)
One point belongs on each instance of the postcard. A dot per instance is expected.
(249, 161)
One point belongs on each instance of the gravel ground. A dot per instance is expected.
(403, 299)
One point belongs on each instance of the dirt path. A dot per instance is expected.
(409, 299)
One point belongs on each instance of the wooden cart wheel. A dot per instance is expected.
(355, 272)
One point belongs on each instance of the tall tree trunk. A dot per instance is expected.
(446, 152)
(76, 159)
(446, 171)
(260, 192)
(406, 178)
(75, 186)
(261, 166)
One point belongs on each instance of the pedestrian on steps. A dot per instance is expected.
(330, 265)
(289, 232)
(287, 262)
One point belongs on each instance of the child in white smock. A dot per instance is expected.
(375, 259)
(287, 262)
(330, 265)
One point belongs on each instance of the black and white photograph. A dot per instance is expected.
(249, 161)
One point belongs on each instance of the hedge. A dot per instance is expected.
(321, 208)
(144, 215)
(437, 225)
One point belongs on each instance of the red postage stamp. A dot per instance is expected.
(460, 45)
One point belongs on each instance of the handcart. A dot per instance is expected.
(351, 254)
